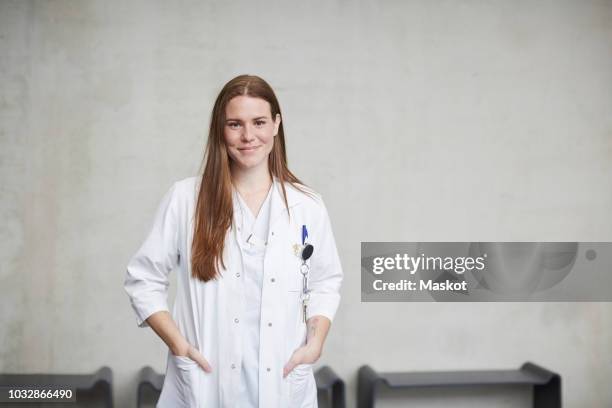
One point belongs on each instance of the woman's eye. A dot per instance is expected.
(234, 125)
(260, 123)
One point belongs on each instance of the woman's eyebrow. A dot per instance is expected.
(239, 120)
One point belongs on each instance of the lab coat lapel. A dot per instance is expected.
(277, 206)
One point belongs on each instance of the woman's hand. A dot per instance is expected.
(307, 354)
(161, 322)
(188, 351)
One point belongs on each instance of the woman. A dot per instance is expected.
(247, 325)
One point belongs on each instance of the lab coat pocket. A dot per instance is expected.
(300, 387)
(188, 372)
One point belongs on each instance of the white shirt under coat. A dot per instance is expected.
(252, 234)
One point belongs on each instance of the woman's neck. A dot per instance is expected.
(251, 181)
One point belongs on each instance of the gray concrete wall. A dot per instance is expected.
(417, 121)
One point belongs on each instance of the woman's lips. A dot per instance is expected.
(248, 149)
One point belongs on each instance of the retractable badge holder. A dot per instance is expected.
(307, 250)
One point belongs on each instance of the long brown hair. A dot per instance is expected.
(214, 207)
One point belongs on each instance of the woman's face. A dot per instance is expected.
(249, 131)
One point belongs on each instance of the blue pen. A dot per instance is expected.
(304, 234)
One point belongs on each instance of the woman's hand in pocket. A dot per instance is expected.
(307, 354)
(194, 354)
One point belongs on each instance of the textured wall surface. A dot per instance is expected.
(417, 121)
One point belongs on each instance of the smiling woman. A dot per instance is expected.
(247, 326)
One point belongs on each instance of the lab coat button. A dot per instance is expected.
(236, 320)
(233, 365)
(272, 280)
(269, 324)
(268, 369)
(237, 274)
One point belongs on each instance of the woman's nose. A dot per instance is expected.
(247, 133)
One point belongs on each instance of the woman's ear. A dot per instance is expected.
(277, 122)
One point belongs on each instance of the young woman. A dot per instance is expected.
(258, 269)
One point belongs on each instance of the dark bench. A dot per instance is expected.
(149, 386)
(89, 389)
(330, 388)
(546, 384)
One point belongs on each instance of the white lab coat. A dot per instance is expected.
(207, 313)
